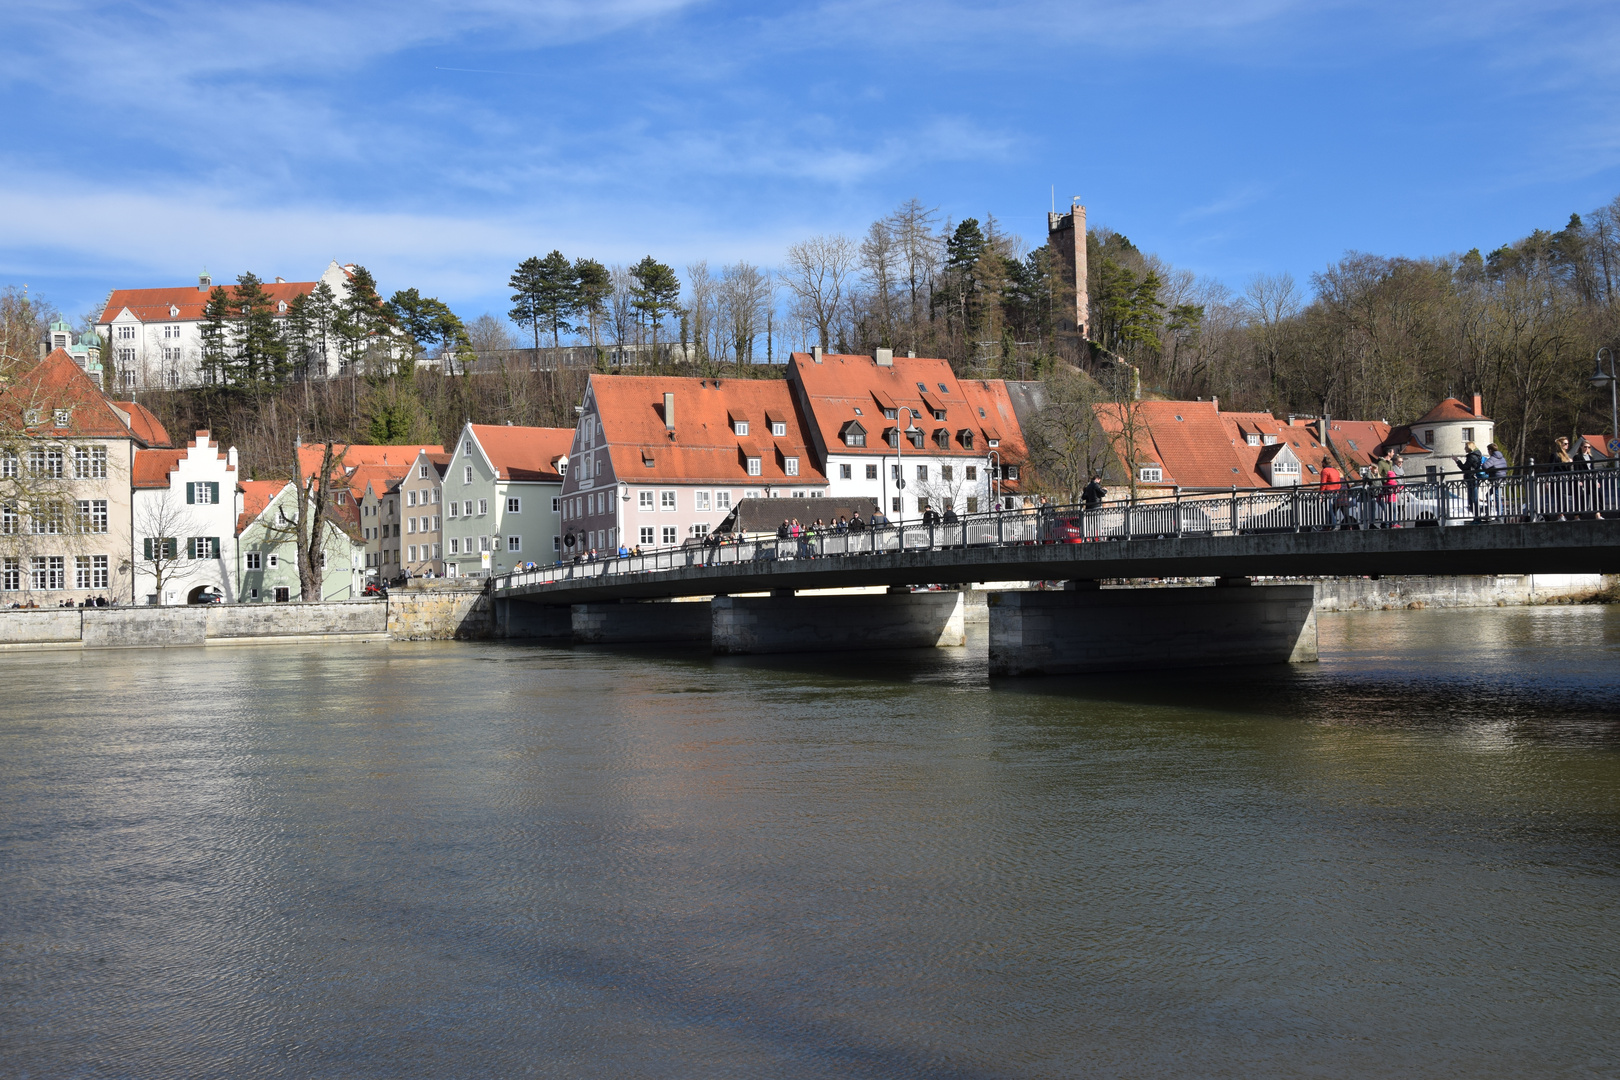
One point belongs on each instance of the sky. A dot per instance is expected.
(441, 144)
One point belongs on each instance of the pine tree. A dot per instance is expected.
(363, 317)
(657, 294)
(261, 355)
(528, 286)
(595, 285)
(558, 296)
(216, 337)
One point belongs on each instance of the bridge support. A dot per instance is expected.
(771, 624)
(630, 622)
(516, 619)
(1064, 633)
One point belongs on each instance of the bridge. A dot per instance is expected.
(1559, 523)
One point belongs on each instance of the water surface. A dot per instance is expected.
(438, 859)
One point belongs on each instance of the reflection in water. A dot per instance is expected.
(440, 859)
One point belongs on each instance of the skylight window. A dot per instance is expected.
(922, 388)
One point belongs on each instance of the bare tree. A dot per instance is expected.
(488, 334)
(702, 303)
(165, 533)
(1064, 437)
(818, 273)
(748, 295)
(919, 246)
(880, 254)
(1272, 301)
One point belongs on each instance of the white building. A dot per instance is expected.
(154, 336)
(185, 505)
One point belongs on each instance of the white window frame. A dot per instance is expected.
(667, 500)
(645, 500)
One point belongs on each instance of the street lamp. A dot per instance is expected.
(1598, 381)
(992, 461)
(618, 528)
(900, 465)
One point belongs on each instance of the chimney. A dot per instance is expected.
(911, 354)
(1479, 405)
(230, 458)
(815, 353)
(669, 411)
(42, 350)
(884, 357)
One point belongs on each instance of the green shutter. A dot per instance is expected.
(191, 493)
(213, 492)
(171, 548)
(148, 549)
(191, 547)
(213, 546)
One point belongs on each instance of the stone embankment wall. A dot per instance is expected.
(1385, 594)
(440, 611)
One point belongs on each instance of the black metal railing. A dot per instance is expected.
(1531, 494)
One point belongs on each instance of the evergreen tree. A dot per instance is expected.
(657, 294)
(261, 354)
(558, 295)
(362, 318)
(216, 337)
(528, 288)
(595, 286)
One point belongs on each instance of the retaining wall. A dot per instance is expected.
(1467, 591)
(440, 611)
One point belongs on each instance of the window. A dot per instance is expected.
(62, 417)
(698, 528)
(410, 525)
(11, 574)
(154, 549)
(466, 475)
(436, 553)
(971, 472)
(483, 507)
(514, 506)
(253, 594)
(556, 504)
(1150, 474)
(1428, 437)
(753, 466)
(205, 494)
(666, 500)
(556, 543)
(466, 508)
(669, 534)
(202, 547)
(738, 427)
(453, 505)
(126, 333)
(973, 504)
(421, 472)
(700, 501)
(413, 553)
(410, 498)
(514, 543)
(92, 515)
(437, 523)
(778, 428)
(283, 594)
(8, 465)
(1468, 434)
(455, 546)
(47, 519)
(10, 520)
(922, 504)
(890, 414)
(967, 439)
(89, 462)
(644, 500)
(466, 447)
(939, 414)
(790, 466)
(49, 572)
(942, 438)
(871, 472)
(798, 494)
(894, 504)
(275, 560)
(947, 473)
(646, 534)
(845, 472)
(45, 462)
(922, 472)
(483, 543)
(993, 443)
(722, 500)
(255, 561)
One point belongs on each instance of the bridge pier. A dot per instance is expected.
(630, 622)
(1070, 632)
(516, 619)
(782, 624)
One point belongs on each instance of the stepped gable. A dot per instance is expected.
(523, 453)
(153, 467)
(705, 448)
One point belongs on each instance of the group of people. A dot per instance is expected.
(89, 601)
(794, 529)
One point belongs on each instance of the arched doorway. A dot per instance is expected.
(203, 594)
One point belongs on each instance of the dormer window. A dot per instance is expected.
(942, 438)
(62, 417)
(739, 427)
(939, 414)
(1150, 474)
(778, 428)
(31, 417)
(174, 312)
(915, 437)
(753, 466)
(790, 466)
(1269, 440)
(889, 414)
(966, 438)
(281, 307)
(1252, 438)
(993, 443)
(854, 434)
(562, 466)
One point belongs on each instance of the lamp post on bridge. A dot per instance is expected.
(900, 468)
(1598, 381)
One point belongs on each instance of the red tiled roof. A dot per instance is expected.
(57, 383)
(704, 448)
(381, 479)
(840, 384)
(524, 453)
(1450, 409)
(257, 495)
(152, 467)
(348, 456)
(157, 305)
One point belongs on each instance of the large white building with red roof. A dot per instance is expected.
(906, 432)
(154, 336)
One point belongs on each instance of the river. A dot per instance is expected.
(442, 859)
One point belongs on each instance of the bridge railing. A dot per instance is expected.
(1518, 495)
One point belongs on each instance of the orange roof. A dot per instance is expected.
(152, 467)
(842, 388)
(380, 478)
(705, 449)
(1450, 409)
(350, 455)
(257, 495)
(523, 453)
(186, 302)
(1598, 443)
(146, 426)
(55, 384)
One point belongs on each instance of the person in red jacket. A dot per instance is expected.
(1337, 496)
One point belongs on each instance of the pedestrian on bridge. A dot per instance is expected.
(1094, 492)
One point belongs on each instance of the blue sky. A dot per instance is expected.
(441, 144)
